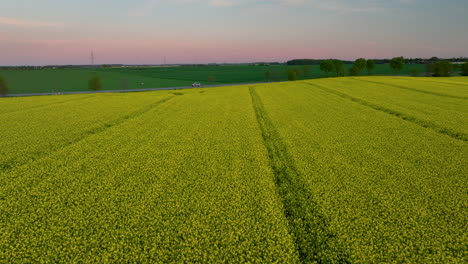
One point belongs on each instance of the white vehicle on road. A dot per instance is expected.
(197, 84)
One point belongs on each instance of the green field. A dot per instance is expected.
(46, 81)
(336, 170)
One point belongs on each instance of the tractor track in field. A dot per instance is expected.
(412, 89)
(449, 83)
(46, 105)
(9, 165)
(314, 240)
(406, 117)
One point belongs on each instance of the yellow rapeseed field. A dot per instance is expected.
(335, 170)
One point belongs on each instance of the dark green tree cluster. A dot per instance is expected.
(358, 66)
(292, 74)
(326, 66)
(95, 83)
(333, 66)
(464, 69)
(397, 63)
(303, 62)
(442, 68)
(3, 87)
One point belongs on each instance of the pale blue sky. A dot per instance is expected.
(196, 31)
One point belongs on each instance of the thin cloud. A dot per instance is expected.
(28, 23)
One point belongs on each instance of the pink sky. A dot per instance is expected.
(203, 31)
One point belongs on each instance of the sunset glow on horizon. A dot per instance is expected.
(217, 31)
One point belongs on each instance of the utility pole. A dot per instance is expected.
(92, 58)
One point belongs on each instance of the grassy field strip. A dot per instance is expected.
(32, 135)
(113, 80)
(408, 87)
(404, 116)
(238, 74)
(200, 74)
(69, 80)
(12, 105)
(462, 81)
(447, 113)
(389, 190)
(167, 76)
(315, 242)
(188, 181)
(46, 81)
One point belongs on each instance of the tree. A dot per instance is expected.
(95, 83)
(338, 68)
(297, 71)
(268, 75)
(306, 70)
(442, 68)
(464, 69)
(397, 63)
(370, 65)
(3, 87)
(292, 75)
(354, 70)
(326, 66)
(360, 65)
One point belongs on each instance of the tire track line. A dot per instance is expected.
(9, 165)
(426, 124)
(314, 240)
(449, 83)
(412, 89)
(45, 105)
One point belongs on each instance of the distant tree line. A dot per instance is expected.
(309, 62)
(334, 67)
(464, 69)
(379, 61)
